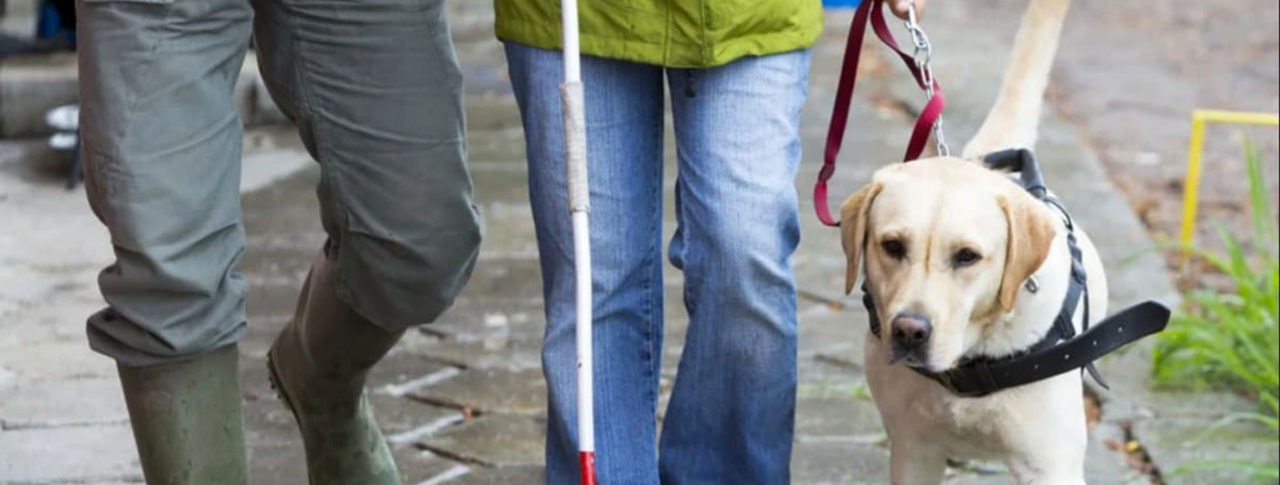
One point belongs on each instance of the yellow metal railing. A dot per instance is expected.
(1191, 188)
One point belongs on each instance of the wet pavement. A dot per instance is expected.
(462, 400)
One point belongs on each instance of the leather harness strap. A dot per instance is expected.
(983, 377)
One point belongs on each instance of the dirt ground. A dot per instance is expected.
(1129, 74)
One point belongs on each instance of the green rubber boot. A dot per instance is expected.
(318, 364)
(188, 420)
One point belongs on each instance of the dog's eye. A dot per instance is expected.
(964, 257)
(894, 248)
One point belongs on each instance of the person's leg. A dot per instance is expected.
(731, 414)
(376, 92)
(161, 147)
(318, 365)
(624, 152)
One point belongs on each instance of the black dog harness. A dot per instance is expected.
(1061, 349)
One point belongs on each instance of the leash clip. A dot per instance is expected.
(921, 56)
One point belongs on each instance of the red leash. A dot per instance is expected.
(869, 11)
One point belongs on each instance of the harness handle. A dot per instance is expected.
(869, 11)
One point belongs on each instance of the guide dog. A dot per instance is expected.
(962, 263)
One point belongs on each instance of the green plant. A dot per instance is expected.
(1229, 339)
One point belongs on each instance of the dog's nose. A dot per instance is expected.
(911, 330)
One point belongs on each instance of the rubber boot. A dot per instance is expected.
(318, 364)
(188, 420)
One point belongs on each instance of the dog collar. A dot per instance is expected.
(1061, 349)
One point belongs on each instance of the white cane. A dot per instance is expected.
(575, 152)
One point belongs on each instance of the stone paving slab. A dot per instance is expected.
(61, 403)
(833, 462)
(60, 360)
(515, 475)
(493, 440)
(490, 391)
(1184, 429)
(482, 355)
(404, 421)
(85, 454)
(277, 464)
(840, 416)
(419, 466)
(398, 372)
(839, 333)
(1187, 441)
(268, 423)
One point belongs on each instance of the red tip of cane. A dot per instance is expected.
(588, 461)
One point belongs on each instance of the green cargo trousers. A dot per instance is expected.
(375, 90)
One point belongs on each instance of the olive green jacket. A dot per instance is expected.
(671, 33)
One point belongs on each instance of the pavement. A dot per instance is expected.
(461, 401)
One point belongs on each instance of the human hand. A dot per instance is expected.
(900, 7)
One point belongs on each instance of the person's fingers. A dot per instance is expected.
(900, 7)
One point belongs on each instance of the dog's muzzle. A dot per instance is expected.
(910, 334)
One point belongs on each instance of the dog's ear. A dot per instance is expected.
(1031, 233)
(853, 229)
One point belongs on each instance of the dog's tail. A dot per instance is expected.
(1013, 120)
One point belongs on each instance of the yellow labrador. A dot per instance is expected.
(949, 247)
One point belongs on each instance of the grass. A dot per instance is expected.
(1228, 340)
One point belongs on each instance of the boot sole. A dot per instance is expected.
(274, 379)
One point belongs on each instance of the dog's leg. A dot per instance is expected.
(1054, 468)
(1058, 463)
(1062, 477)
(1014, 117)
(915, 465)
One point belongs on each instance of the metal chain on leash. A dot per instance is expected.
(922, 55)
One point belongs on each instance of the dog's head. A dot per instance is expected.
(947, 244)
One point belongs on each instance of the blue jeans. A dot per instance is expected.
(731, 415)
